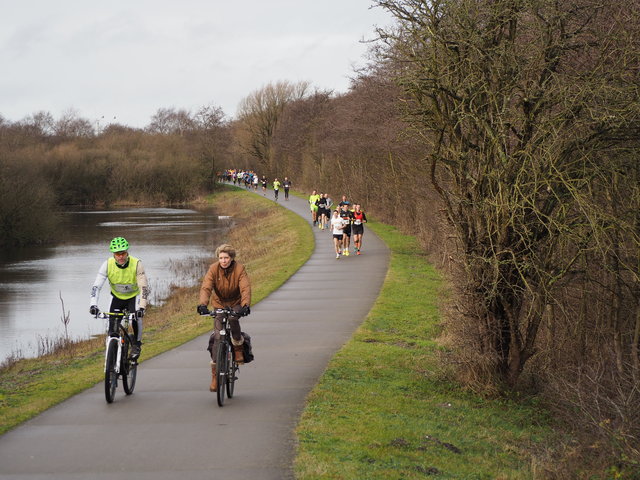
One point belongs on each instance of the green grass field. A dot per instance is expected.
(384, 408)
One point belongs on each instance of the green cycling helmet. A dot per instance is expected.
(118, 244)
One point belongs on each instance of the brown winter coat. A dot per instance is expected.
(226, 288)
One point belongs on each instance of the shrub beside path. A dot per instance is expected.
(172, 427)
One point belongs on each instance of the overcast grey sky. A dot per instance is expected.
(128, 58)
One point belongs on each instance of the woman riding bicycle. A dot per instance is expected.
(226, 284)
(127, 280)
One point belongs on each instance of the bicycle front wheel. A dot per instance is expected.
(129, 368)
(110, 375)
(222, 366)
(231, 374)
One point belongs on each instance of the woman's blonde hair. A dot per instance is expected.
(226, 248)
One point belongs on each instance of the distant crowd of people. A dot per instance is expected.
(345, 221)
(250, 179)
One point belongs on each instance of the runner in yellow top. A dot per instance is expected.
(276, 188)
(313, 198)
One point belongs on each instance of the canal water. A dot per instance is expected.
(175, 246)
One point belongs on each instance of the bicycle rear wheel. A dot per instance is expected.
(110, 375)
(129, 368)
(222, 365)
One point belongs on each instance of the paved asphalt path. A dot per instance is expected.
(172, 427)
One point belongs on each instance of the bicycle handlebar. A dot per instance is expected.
(227, 310)
(128, 316)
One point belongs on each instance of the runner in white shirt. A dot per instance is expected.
(337, 225)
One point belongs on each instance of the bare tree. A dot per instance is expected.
(71, 125)
(169, 121)
(213, 137)
(259, 114)
(298, 139)
(518, 104)
(42, 123)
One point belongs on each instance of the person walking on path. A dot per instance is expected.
(127, 280)
(276, 188)
(226, 284)
(263, 181)
(287, 185)
(357, 227)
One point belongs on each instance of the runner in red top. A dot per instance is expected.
(357, 227)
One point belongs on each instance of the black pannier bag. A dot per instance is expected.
(247, 351)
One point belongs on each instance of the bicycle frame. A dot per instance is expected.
(223, 330)
(224, 339)
(225, 319)
(123, 325)
(117, 357)
(227, 368)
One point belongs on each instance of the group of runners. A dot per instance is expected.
(345, 222)
(250, 179)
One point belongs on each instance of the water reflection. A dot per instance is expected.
(173, 244)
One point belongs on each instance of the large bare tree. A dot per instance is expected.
(171, 121)
(213, 137)
(259, 114)
(529, 111)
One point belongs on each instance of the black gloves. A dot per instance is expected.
(93, 310)
(140, 313)
(243, 311)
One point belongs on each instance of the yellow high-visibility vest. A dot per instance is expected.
(123, 281)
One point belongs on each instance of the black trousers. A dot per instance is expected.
(118, 306)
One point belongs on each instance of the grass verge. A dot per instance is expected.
(384, 408)
(30, 386)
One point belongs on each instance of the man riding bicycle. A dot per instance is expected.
(226, 284)
(127, 280)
